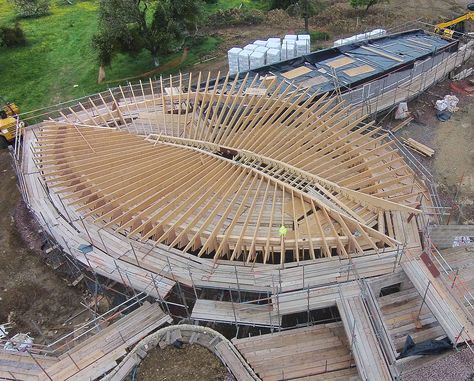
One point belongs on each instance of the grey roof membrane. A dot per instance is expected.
(377, 56)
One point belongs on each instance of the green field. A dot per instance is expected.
(59, 63)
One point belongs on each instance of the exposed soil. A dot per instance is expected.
(32, 296)
(453, 162)
(190, 363)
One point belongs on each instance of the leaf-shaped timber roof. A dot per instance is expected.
(217, 171)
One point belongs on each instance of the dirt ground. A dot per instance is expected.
(190, 363)
(453, 162)
(32, 296)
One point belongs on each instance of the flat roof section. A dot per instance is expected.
(349, 65)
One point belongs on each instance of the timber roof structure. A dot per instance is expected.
(216, 168)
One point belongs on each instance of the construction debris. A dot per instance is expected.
(418, 147)
(449, 102)
(463, 74)
(402, 111)
(21, 342)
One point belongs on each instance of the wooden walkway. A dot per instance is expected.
(403, 311)
(239, 313)
(313, 353)
(461, 261)
(23, 366)
(278, 305)
(362, 338)
(98, 354)
(441, 303)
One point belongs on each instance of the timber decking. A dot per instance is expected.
(367, 352)
(461, 262)
(239, 313)
(300, 354)
(99, 353)
(404, 312)
(23, 366)
(446, 308)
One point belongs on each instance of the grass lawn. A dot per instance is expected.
(58, 63)
(227, 4)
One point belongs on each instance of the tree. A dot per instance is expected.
(31, 8)
(364, 3)
(305, 9)
(129, 26)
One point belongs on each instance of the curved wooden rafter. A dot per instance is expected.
(220, 167)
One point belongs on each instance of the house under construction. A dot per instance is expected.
(257, 201)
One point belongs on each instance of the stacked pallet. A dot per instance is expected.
(99, 353)
(274, 50)
(300, 354)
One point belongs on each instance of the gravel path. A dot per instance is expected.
(455, 367)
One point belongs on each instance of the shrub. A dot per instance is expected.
(319, 36)
(235, 16)
(31, 8)
(12, 37)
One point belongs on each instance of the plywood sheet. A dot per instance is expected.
(302, 70)
(256, 91)
(315, 81)
(340, 62)
(364, 69)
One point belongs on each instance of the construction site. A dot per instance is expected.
(271, 216)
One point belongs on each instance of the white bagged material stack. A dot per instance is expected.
(262, 49)
(360, 37)
(250, 47)
(260, 43)
(307, 39)
(233, 57)
(287, 50)
(273, 45)
(257, 59)
(244, 60)
(300, 46)
(377, 33)
(291, 37)
(275, 39)
(273, 56)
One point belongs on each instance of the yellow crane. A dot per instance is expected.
(449, 28)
